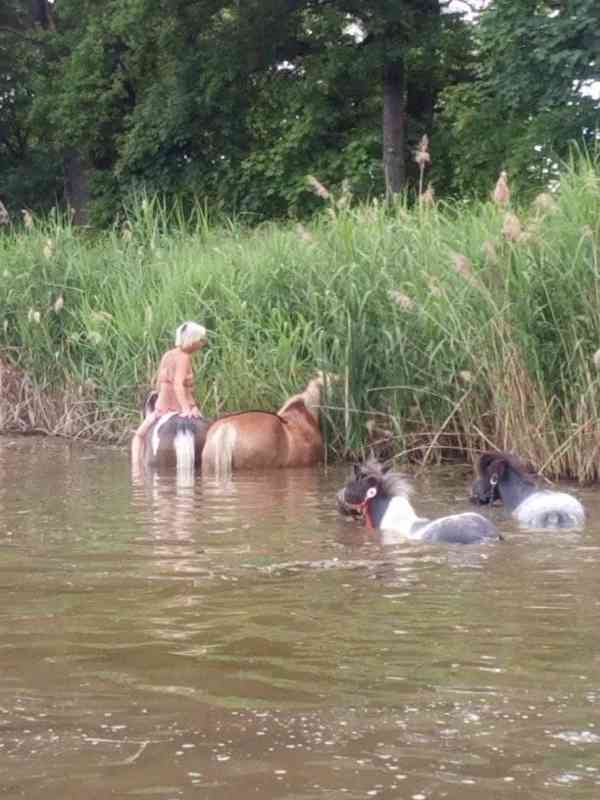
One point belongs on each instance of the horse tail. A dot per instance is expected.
(217, 456)
(185, 446)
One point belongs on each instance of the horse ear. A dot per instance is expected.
(500, 467)
(356, 469)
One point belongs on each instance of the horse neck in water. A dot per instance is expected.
(503, 477)
(393, 513)
(514, 486)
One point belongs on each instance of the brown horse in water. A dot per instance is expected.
(262, 439)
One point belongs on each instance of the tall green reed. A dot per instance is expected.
(454, 327)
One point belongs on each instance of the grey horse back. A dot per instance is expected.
(551, 510)
(467, 528)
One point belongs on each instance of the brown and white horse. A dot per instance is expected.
(174, 441)
(262, 440)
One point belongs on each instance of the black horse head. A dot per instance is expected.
(484, 489)
(494, 469)
(369, 479)
(364, 485)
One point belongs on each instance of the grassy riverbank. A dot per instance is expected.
(453, 327)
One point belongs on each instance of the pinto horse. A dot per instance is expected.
(503, 477)
(381, 498)
(173, 440)
(262, 439)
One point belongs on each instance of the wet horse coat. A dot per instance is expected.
(263, 440)
(174, 441)
(503, 477)
(382, 499)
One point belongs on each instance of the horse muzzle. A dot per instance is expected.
(479, 495)
(346, 508)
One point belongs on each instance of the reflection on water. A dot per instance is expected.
(215, 640)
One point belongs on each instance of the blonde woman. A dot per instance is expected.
(174, 384)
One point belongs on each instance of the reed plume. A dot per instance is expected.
(4, 216)
(423, 159)
(501, 193)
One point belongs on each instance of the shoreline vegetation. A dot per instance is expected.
(455, 327)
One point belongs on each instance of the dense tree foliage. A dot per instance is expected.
(237, 103)
(536, 92)
(28, 176)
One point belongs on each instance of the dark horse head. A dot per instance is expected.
(497, 472)
(369, 480)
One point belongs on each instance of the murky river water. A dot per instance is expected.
(243, 641)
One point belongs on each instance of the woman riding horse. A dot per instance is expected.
(173, 401)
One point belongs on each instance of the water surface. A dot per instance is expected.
(227, 641)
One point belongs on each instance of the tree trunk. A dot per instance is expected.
(394, 123)
(76, 186)
(41, 11)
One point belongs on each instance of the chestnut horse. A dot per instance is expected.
(262, 439)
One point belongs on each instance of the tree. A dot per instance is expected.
(29, 39)
(536, 59)
(236, 102)
(28, 178)
(348, 64)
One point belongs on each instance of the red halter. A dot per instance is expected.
(365, 511)
(367, 516)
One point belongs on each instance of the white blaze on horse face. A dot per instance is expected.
(371, 492)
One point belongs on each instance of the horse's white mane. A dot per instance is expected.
(393, 484)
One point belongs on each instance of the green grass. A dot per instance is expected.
(486, 341)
